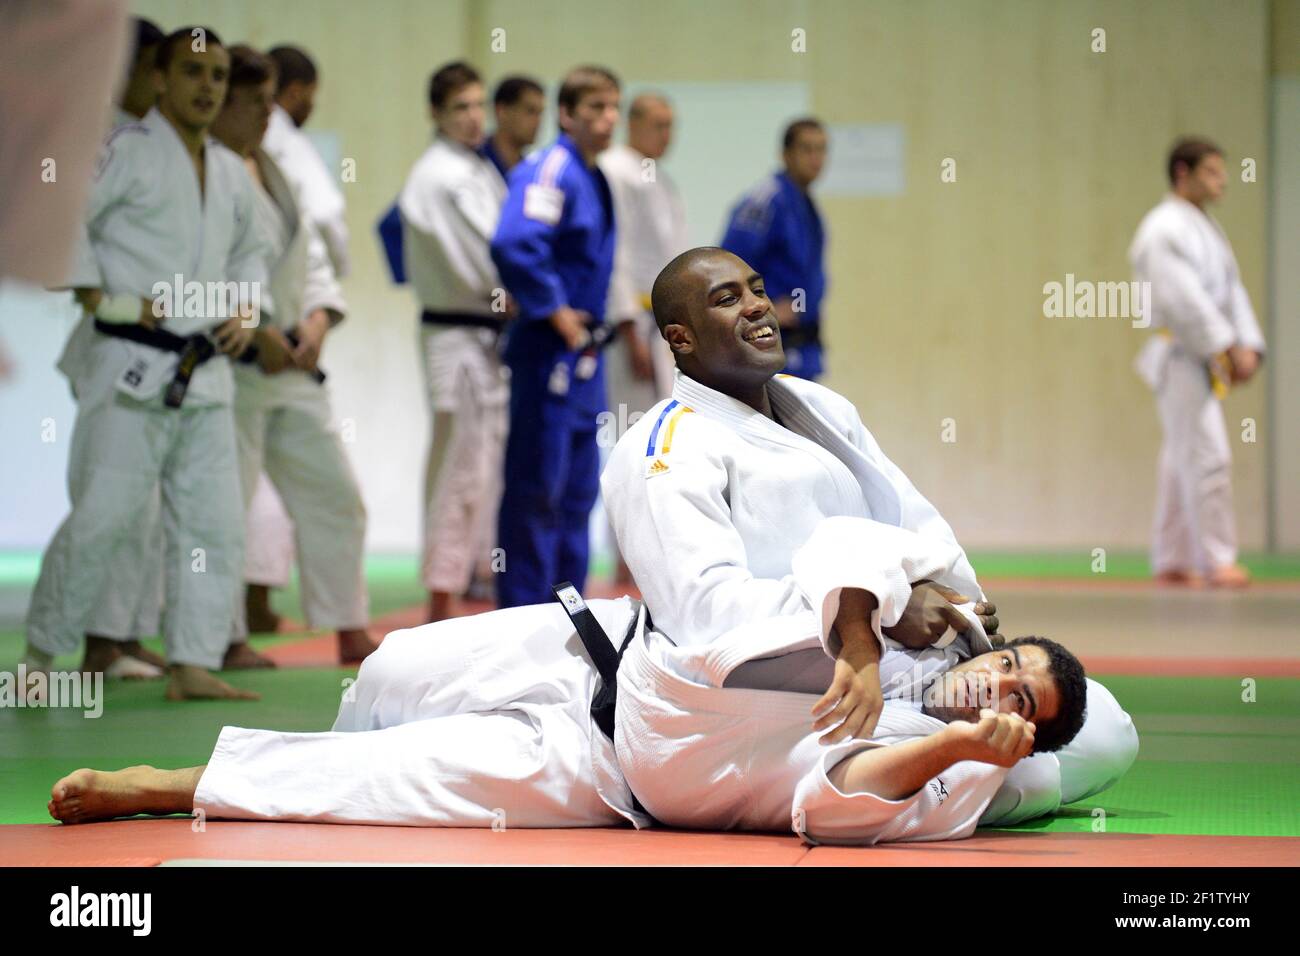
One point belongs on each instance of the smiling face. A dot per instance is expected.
(720, 324)
(193, 87)
(1014, 680)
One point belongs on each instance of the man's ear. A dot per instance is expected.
(680, 339)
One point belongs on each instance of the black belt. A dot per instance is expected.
(600, 650)
(194, 350)
(461, 318)
(603, 656)
(800, 335)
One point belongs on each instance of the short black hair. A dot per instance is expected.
(147, 34)
(798, 126)
(1072, 687)
(248, 67)
(450, 79)
(512, 88)
(1189, 151)
(666, 300)
(292, 65)
(167, 48)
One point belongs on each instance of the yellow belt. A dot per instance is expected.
(645, 301)
(1218, 369)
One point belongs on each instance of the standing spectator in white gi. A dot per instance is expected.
(449, 210)
(127, 612)
(1208, 340)
(651, 231)
(282, 411)
(269, 547)
(171, 267)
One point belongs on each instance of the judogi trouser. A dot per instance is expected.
(1194, 528)
(468, 401)
(268, 538)
(284, 427)
(123, 453)
(483, 723)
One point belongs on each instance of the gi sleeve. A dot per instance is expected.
(322, 289)
(248, 251)
(947, 807)
(1249, 334)
(523, 247)
(1179, 297)
(845, 552)
(114, 181)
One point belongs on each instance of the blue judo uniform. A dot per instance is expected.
(554, 246)
(776, 229)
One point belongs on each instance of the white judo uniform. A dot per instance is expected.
(449, 207)
(651, 232)
(127, 610)
(147, 223)
(1200, 305)
(710, 500)
(284, 423)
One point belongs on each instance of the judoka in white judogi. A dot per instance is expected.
(284, 423)
(146, 224)
(449, 208)
(318, 189)
(1201, 306)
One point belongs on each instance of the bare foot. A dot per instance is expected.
(355, 645)
(188, 682)
(100, 652)
(86, 795)
(1229, 576)
(242, 657)
(141, 653)
(257, 610)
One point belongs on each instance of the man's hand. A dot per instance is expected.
(311, 334)
(1243, 363)
(852, 704)
(638, 352)
(571, 325)
(931, 610)
(274, 353)
(999, 739)
(232, 338)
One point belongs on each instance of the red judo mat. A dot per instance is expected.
(152, 842)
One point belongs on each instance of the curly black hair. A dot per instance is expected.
(1068, 675)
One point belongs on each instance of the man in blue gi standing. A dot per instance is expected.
(776, 229)
(554, 250)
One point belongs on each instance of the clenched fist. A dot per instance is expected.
(999, 739)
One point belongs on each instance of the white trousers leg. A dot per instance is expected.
(294, 441)
(479, 721)
(268, 552)
(463, 476)
(123, 453)
(1195, 528)
(132, 610)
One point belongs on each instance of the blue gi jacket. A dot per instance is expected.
(776, 229)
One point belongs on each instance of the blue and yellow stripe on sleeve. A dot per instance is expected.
(661, 436)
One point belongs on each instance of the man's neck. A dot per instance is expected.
(755, 396)
(801, 186)
(1194, 200)
(506, 149)
(192, 137)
